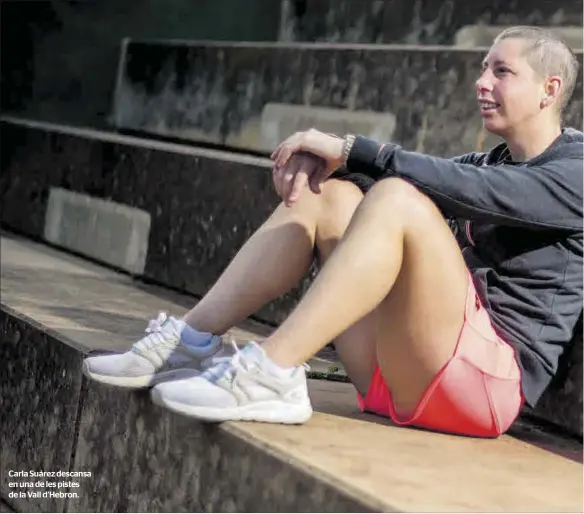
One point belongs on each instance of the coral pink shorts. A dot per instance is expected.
(476, 393)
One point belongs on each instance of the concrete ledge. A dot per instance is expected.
(107, 231)
(278, 121)
(4, 507)
(143, 458)
(473, 36)
(196, 226)
(219, 92)
(40, 390)
(150, 460)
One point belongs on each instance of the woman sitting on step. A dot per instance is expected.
(432, 333)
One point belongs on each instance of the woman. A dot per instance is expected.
(430, 335)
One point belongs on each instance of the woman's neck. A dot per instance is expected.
(530, 143)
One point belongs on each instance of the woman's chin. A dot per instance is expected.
(493, 127)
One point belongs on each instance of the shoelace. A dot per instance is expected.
(158, 334)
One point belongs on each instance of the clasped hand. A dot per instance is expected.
(305, 159)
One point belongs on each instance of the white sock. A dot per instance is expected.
(270, 366)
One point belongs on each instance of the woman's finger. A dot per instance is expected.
(285, 176)
(276, 179)
(309, 166)
(279, 182)
(275, 153)
(317, 177)
(290, 172)
(278, 152)
(288, 148)
(300, 180)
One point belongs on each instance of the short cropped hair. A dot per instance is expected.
(548, 55)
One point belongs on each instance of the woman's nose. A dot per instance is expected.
(483, 83)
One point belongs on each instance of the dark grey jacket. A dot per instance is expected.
(521, 224)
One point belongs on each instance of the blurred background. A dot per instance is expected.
(60, 58)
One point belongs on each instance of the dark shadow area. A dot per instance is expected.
(59, 57)
(24, 27)
(5, 507)
(548, 437)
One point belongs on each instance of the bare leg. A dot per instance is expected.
(274, 259)
(269, 264)
(356, 346)
(397, 254)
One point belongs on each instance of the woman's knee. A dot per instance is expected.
(402, 201)
(340, 196)
(335, 195)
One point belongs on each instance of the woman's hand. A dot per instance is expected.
(301, 169)
(290, 176)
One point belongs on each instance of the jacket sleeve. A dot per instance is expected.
(474, 158)
(548, 196)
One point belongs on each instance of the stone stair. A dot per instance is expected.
(244, 96)
(56, 308)
(419, 22)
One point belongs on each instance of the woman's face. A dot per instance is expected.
(509, 90)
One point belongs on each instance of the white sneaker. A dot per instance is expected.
(157, 357)
(239, 388)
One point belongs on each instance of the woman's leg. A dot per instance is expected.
(270, 263)
(356, 346)
(398, 264)
(274, 260)
(398, 255)
(276, 257)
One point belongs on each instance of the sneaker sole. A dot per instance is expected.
(142, 382)
(264, 412)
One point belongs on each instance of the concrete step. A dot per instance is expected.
(56, 308)
(472, 36)
(59, 271)
(203, 205)
(243, 95)
(4, 507)
(184, 191)
(433, 22)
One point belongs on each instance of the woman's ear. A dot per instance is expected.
(552, 88)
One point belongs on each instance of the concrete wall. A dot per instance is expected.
(203, 205)
(68, 51)
(65, 66)
(414, 21)
(219, 93)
